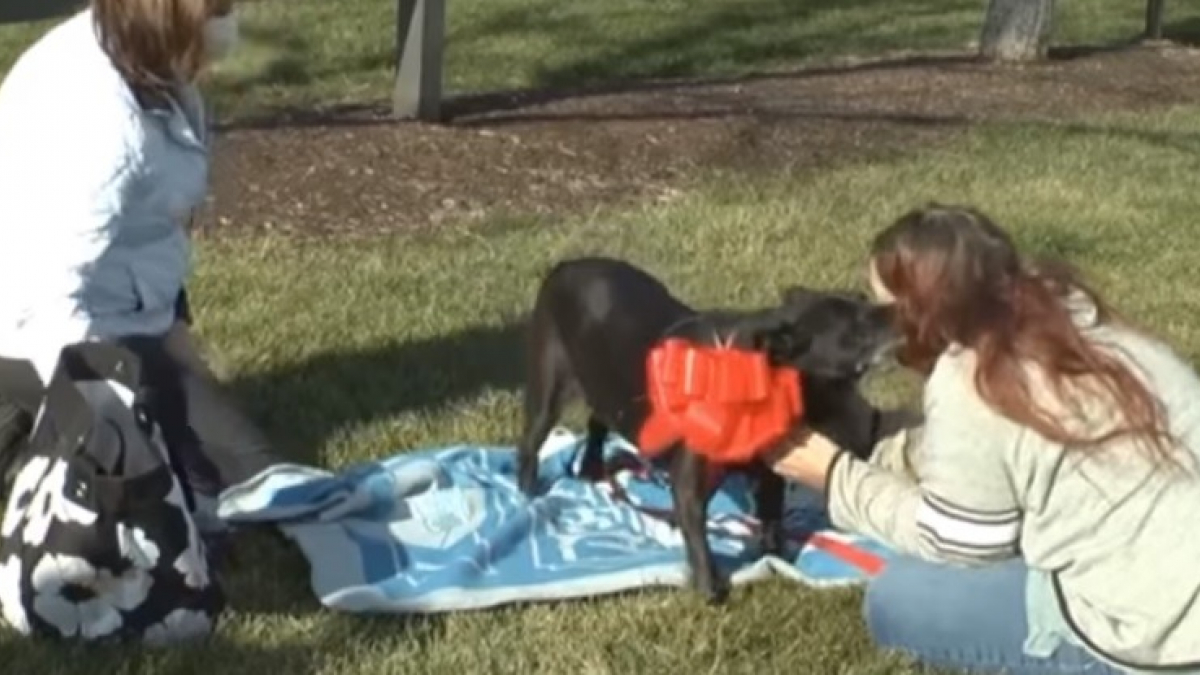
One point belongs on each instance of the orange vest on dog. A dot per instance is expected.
(727, 405)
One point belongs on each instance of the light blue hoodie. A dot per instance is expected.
(95, 195)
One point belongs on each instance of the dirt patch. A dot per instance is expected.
(355, 172)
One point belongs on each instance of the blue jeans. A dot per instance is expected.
(968, 619)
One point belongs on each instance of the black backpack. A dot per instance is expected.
(98, 540)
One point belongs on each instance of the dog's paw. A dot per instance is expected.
(714, 589)
(527, 483)
(717, 594)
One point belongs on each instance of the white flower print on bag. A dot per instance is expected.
(11, 607)
(192, 563)
(65, 509)
(136, 547)
(24, 489)
(92, 617)
(193, 567)
(50, 503)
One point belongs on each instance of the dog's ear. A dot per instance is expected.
(781, 338)
(801, 296)
(797, 296)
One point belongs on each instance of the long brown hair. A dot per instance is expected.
(957, 279)
(155, 44)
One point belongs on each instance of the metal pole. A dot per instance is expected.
(420, 39)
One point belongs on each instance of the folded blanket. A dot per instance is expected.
(447, 529)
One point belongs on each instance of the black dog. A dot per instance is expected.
(595, 321)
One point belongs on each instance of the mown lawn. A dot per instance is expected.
(301, 53)
(353, 351)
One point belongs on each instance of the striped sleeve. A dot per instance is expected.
(960, 506)
(960, 532)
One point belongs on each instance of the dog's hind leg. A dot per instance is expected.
(547, 386)
(690, 491)
(769, 503)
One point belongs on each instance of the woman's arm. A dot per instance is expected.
(65, 196)
(961, 508)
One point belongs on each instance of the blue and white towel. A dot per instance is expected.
(447, 529)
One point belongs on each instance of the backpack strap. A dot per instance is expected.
(68, 430)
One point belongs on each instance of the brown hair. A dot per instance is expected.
(155, 44)
(957, 279)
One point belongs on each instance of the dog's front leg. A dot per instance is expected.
(592, 467)
(690, 493)
(769, 502)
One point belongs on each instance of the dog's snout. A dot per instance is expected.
(881, 344)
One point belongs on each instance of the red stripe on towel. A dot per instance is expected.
(864, 560)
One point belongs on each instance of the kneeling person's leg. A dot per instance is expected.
(965, 618)
(217, 444)
(15, 425)
(227, 436)
(20, 396)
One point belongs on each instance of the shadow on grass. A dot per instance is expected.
(631, 43)
(306, 403)
(486, 109)
(218, 655)
(302, 651)
(716, 110)
(1185, 32)
(696, 41)
(1185, 142)
(658, 43)
(292, 65)
(749, 33)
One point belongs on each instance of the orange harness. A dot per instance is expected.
(728, 405)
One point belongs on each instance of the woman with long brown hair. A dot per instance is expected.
(1049, 518)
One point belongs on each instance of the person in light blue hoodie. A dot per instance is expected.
(104, 156)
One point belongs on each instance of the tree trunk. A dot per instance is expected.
(1154, 19)
(1017, 30)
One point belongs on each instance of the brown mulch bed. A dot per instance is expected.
(355, 172)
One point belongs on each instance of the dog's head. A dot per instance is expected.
(827, 334)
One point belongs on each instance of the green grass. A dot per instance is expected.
(350, 351)
(318, 52)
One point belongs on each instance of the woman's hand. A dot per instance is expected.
(805, 458)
